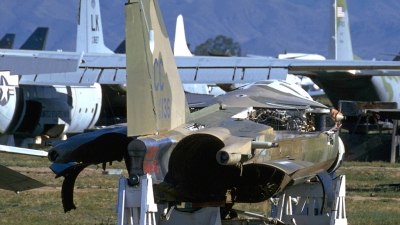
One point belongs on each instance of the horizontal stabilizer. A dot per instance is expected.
(14, 181)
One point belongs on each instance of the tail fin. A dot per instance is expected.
(37, 40)
(397, 57)
(155, 99)
(340, 47)
(90, 34)
(7, 42)
(121, 48)
(180, 44)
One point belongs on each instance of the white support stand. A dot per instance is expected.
(136, 205)
(302, 204)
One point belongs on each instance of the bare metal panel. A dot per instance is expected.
(214, 75)
(89, 77)
(251, 74)
(38, 61)
(100, 60)
(187, 74)
(278, 73)
(53, 78)
(107, 76)
(27, 79)
(120, 77)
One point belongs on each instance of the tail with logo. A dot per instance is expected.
(340, 47)
(90, 31)
(155, 99)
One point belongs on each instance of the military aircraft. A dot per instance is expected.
(181, 49)
(354, 85)
(7, 42)
(249, 144)
(69, 103)
(9, 179)
(36, 41)
(55, 110)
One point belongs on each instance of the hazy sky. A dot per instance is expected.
(264, 27)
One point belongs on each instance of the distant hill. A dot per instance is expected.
(262, 27)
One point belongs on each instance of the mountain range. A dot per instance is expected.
(262, 27)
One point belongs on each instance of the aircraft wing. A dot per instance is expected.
(14, 181)
(105, 68)
(27, 62)
(245, 70)
(23, 151)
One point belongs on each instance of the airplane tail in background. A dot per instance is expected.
(121, 48)
(180, 44)
(90, 31)
(7, 42)
(397, 57)
(340, 47)
(37, 40)
(155, 99)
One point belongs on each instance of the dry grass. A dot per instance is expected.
(96, 195)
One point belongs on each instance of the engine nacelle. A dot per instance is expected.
(30, 111)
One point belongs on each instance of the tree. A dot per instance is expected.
(219, 46)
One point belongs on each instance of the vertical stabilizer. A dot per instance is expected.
(7, 42)
(37, 40)
(180, 44)
(90, 30)
(121, 48)
(155, 99)
(340, 47)
(397, 57)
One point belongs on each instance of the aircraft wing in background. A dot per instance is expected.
(107, 68)
(28, 62)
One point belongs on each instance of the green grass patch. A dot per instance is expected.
(370, 199)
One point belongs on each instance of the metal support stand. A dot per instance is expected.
(394, 142)
(304, 204)
(136, 205)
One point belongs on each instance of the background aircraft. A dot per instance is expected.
(7, 42)
(37, 40)
(356, 85)
(9, 179)
(60, 109)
